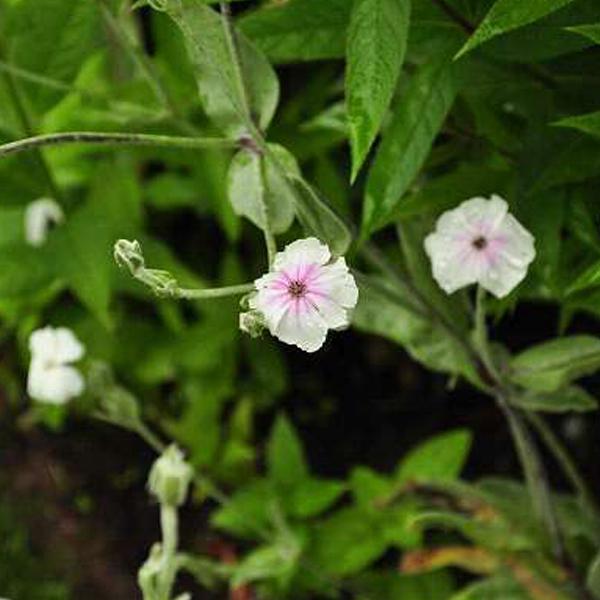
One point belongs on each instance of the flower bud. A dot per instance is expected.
(252, 323)
(170, 477)
(129, 255)
(163, 284)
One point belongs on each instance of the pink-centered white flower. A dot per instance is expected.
(480, 242)
(306, 293)
(52, 377)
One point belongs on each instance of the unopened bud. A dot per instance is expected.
(128, 255)
(252, 323)
(170, 477)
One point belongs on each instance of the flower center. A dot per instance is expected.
(479, 243)
(297, 288)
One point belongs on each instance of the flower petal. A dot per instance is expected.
(303, 252)
(454, 264)
(55, 385)
(336, 281)
(57, 345)
(302, 326)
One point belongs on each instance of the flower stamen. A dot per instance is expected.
(297, 288)
(480, 243)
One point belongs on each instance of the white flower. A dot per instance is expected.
(40, 215)
(52, 378)
(305, 294)
(480, 242)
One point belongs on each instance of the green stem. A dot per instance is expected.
(563, 458)
(535, 476)
(222, 292)
(113, 139)
(169, 526)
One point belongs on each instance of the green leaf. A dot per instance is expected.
(24, 270)
(588, 123)
(571, 398)
(388, 312)
(266, 562)
(416, 121)
(285, 457)
(83, 245)
(590, 278)
(248, 510)
(237, 85)
(316, 215)
(440, 458)
(591, 31)
(300, 30)
(495, 588)
(593, 576)
(550, 366)
(376, 45)
(346, 542)
(506, 15)
(255, 192)
(52, 38)
(310, 497)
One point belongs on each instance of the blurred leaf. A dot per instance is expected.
(571, 398)
(346, 542)
(390, 585)
(52, 38)
(310, 497)
(498, 587)
(591, 31)
(437, 459)
(248, 510)
(385, 311)
(593, 577)
(417, 119)
(285, 456)
(589, 123)
(300, 29)
(232, 97)
(376, 44)
(83, 245)
(551, 365)
(506, 15)
(266, 562)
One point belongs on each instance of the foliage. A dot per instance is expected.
(214, 134)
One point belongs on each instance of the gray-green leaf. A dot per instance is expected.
(554, 364)
(238, 86)
(255, 192)
(376, 45)
(572, 398)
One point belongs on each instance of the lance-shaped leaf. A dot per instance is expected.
(550, 366)
(591, 31)
(588, 123)
(506, 15)
(417, 119)
(237, 85)
(376, 45)
(572, 398)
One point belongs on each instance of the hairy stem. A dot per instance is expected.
(205, 294)
(113, 139)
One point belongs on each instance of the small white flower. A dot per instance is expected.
(305, 294)
(480, 242)
(40, 216)
(52, 378)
